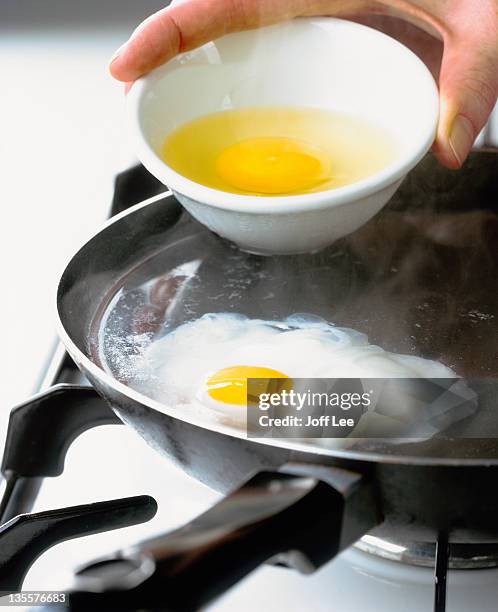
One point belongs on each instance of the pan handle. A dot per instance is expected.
(301, 516)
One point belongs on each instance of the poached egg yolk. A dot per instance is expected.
(272, 165)
(229, 385)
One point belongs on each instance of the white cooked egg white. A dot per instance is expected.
(202, 366)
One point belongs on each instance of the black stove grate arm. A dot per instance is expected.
(302, 516)
(40, 432)
(441, 572)
(132, 186)
(24, 538)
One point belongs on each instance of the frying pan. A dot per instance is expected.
(419, 278)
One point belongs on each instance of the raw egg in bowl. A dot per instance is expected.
(286, 138)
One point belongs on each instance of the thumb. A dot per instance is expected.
(468, 85)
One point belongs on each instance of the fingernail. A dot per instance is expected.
(461, 138)
(117, 53)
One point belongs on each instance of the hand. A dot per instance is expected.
(467, 65)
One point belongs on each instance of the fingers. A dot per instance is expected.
(468, 90)
(189, 25)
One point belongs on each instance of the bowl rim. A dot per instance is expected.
(253, 204)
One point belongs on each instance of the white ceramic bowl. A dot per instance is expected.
(319, 62)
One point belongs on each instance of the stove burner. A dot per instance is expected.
(423, 554)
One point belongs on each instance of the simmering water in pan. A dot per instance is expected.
(417, 284)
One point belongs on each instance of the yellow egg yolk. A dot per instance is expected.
(229, 385)
(272, 165)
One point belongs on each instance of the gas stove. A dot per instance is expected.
(47, 465)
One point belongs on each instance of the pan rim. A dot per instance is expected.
(83, 361)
